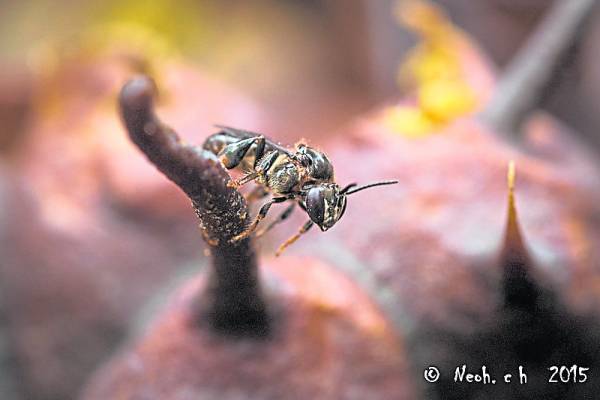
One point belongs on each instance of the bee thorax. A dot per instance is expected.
(283, 178)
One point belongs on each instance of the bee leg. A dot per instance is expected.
(257, 193)
(265, 163)
(262, 213)
(258, 158)
(233, 154)
(291, 240)
(261, 168)
(260, 150)
(236, 183)
(282, 217)
(302, 205)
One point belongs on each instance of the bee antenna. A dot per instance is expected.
(348, 187)
(370, 185)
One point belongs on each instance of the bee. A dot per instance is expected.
(302, 175)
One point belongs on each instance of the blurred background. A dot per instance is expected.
(91, 236)
(291, 57)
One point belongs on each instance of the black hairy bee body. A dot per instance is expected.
(302, 175)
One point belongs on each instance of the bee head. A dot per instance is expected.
(326, 202)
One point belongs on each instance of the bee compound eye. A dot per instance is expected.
(315, 205)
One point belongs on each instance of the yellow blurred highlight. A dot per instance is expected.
(411, 122)
(432, 70)
(510, 180)
(160, 26)
(513, 241)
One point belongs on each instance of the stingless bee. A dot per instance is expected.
(303, 175)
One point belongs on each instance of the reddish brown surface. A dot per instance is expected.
(69, 295)
(83, 246)
(449, 209)
(328, 342)
(425, 251)
(77, 144)
(433, 240)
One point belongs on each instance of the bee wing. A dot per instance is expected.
(237, 133)
(244, 134)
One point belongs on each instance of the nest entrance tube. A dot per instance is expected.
(233, 300)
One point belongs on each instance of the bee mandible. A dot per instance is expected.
(303, 176)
